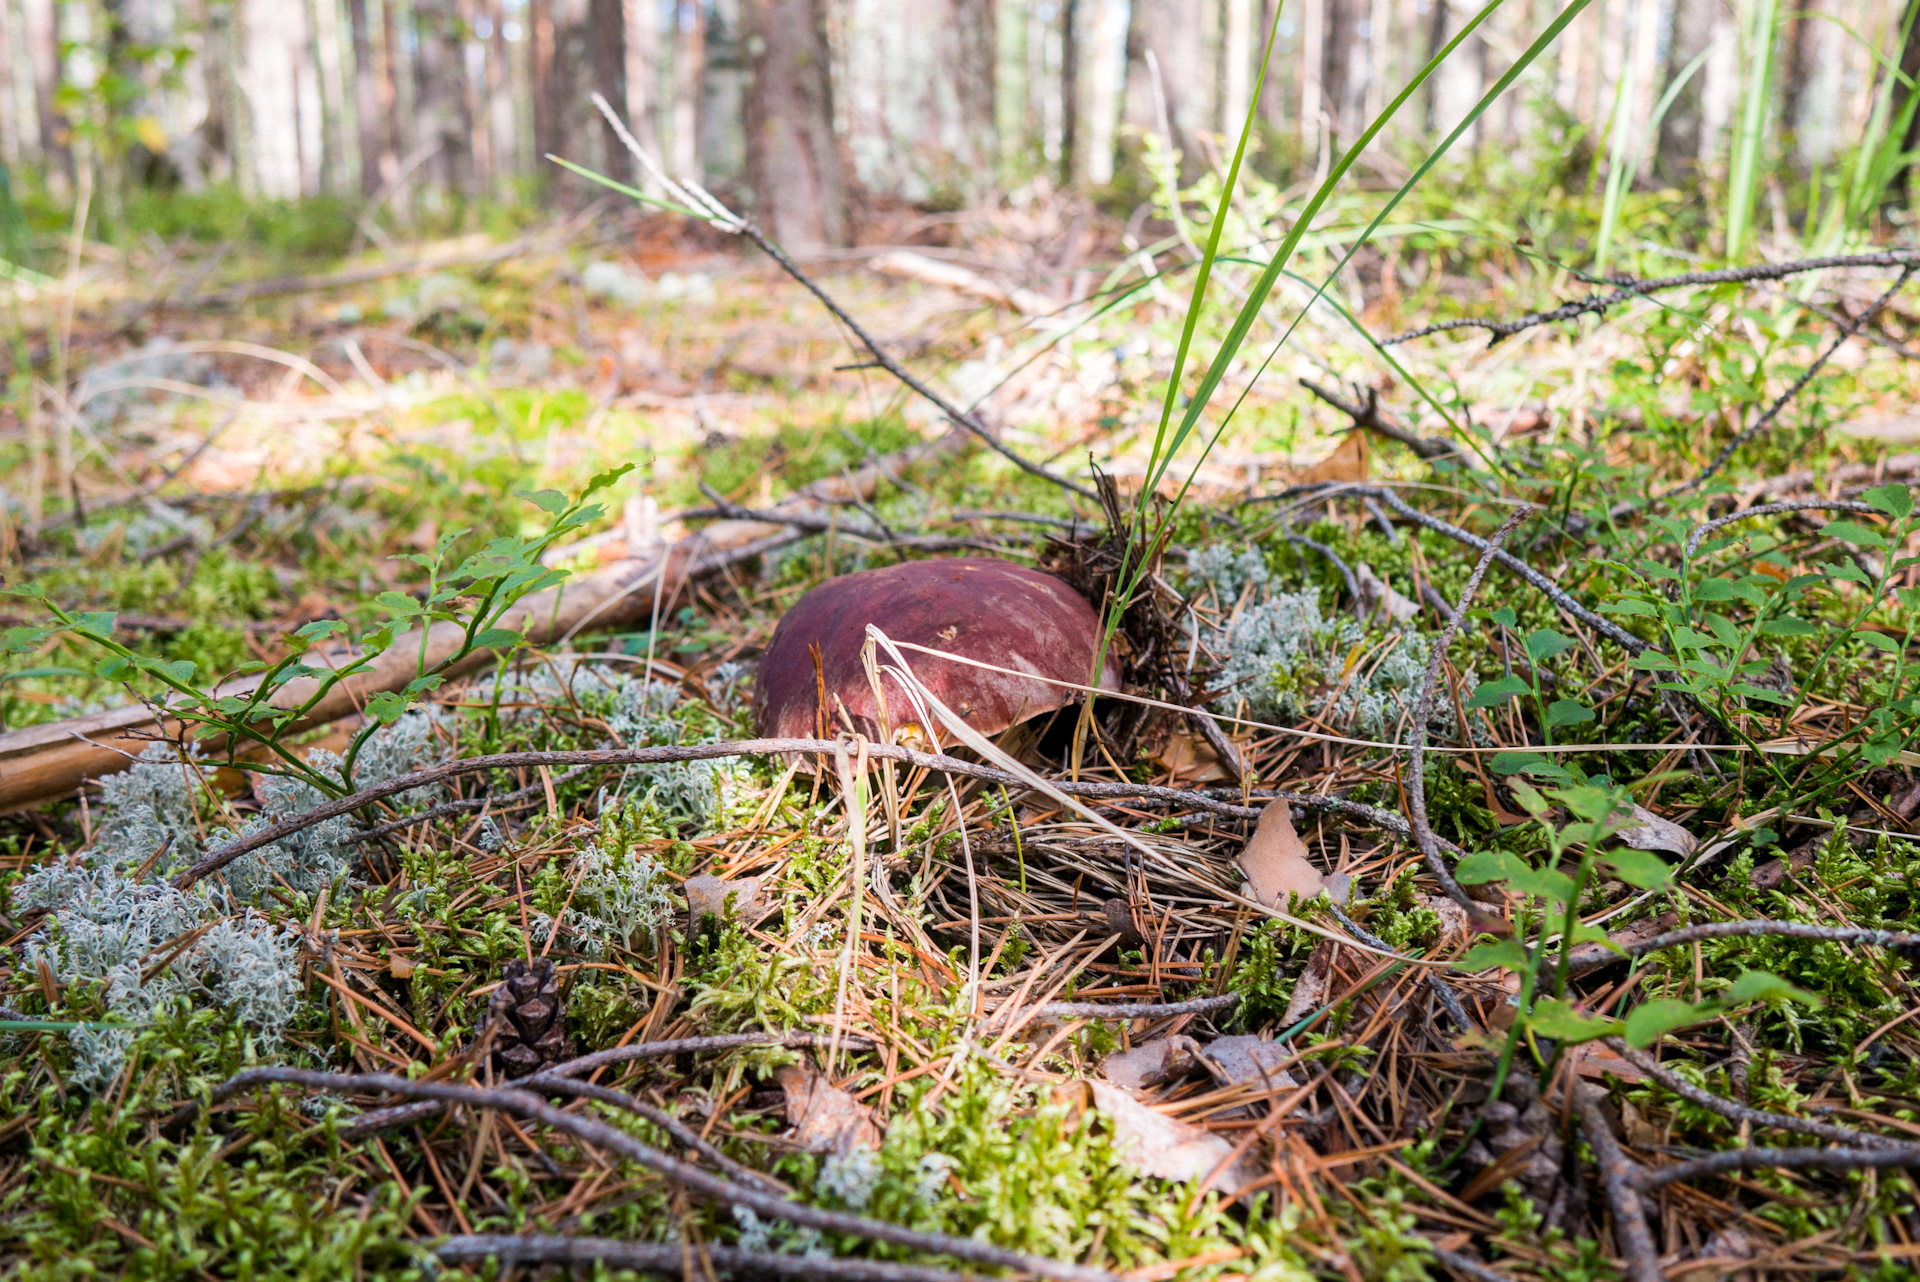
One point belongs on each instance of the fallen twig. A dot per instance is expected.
(694, 1180)
(218, 859)
(678, 1259)
(1785, 398)
(1618, 1174)
(1739, 1112)
(1368, 416)
(1898, 940)
(1746, 1159)
(1595, 304)
(1423, 835)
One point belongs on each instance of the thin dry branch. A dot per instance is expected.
(700, 1183)
(1732, 1109)
(1596, 304)
(1618, 1174)
(1368, 416)
(220, 858)
(1747, 1159)
(1785, 398)
(1423, 834)
(678, 1259)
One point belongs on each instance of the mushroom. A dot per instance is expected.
(972, 607)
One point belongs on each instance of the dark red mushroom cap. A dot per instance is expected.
(973, 607)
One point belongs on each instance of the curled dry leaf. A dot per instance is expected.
(1310, 987)
(1275, 861)
(1378, 597)
(1651, 832)
(1348, 462)
(1154, 1063)
(1233, 1060)
(1155, 1144)
(825, 1119)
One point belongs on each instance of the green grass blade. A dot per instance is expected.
(1263, 285)
(1267, 278)
(1212, 250)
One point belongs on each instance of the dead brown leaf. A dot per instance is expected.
(1155, 1144)
(1152, 1064)
(1348, 462)
(825, 1119)
(1275, 861)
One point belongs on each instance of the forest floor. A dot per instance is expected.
(963, 1015)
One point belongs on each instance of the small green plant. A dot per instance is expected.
(1549, 913)
(474, 595)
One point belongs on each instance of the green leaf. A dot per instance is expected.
(1564, 1023)
(552, 502)
(1640, 868)
(1722, 629)
(1505, 953)
(1713, 590)
(112, 668)
(496, 639)
(1648, 1022)
(1788, 626)
(398, 604)
(27, 640)
(98, 621)
(601, 480)
(1651, 661)
(1565, 712)
(320, 629)
(420, 685)
(1764, 986)
(1505, 617)
(1894, 500)
(387, 706)
(180, 670)
(1543, 643)
(1527, 763)
(1878, 640)
(33, 591)
(1590, 802)
(1491, 694)
(1489, 865)
(1630, 605)
(1546, 883)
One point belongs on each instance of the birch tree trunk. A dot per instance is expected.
(919, 92)
(793, 158)
(689, 75)
(40, 29)
(640, 26)
(366, 98)
(1171, 94)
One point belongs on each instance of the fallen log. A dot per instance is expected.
(41, 763)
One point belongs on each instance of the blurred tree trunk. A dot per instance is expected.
(41, 31)
(1273, 99)
(441, 96)
(689, 83)
(1170, 30)
(640, 26)
(1339, 85)
(793, 158)
(1677, 158)
(9, 122)
(1237, 67)
(366, 98)
(399, 137)
(607, 42)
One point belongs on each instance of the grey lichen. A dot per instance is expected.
(114, 924)
(1286, 659)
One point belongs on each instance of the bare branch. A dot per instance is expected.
(1423, 835)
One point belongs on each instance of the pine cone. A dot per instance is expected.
(530, 1033)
